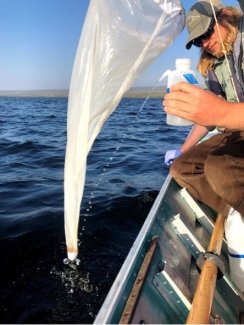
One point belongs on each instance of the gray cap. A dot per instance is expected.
(198, 20)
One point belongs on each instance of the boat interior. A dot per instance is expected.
(157, 281)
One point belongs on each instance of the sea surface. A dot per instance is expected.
(124, 174)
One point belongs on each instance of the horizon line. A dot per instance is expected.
(135, 91)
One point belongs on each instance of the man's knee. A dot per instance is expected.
(176, 168)
(216, 173)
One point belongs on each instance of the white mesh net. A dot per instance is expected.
(119, 40)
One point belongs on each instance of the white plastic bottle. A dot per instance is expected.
(182, 72)
(234, 233)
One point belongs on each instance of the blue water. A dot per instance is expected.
(125, 172)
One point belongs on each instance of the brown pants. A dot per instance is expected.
(213, 171)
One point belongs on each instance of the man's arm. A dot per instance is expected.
(203, 107)
(196, 134)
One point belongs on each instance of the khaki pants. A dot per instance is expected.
(213, 171)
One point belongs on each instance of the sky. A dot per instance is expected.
(39, 39)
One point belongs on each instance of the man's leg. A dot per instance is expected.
(224, 170)
(188, 171)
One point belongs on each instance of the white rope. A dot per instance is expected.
(224, 51)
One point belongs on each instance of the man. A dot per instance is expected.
(213, 171)
(193, 104)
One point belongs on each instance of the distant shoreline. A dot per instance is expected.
(135, 92)
(144, 92)
(35, 93)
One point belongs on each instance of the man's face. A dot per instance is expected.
(213, 44)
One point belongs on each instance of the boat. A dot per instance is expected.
(159, 280)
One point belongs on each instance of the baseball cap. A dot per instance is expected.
(199, 19)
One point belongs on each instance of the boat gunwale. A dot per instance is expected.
(108, 307)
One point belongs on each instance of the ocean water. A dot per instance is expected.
(125, 172)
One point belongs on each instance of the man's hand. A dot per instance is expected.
(195, 104)
(171, 155)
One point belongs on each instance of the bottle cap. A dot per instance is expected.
(183, 63)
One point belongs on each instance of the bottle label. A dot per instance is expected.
(190, 78)
(236, 255)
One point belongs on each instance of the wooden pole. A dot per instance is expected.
(203, 298)
(131, 303)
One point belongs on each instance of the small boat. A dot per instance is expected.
(160, 278)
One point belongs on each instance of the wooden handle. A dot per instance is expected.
(203, 298)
